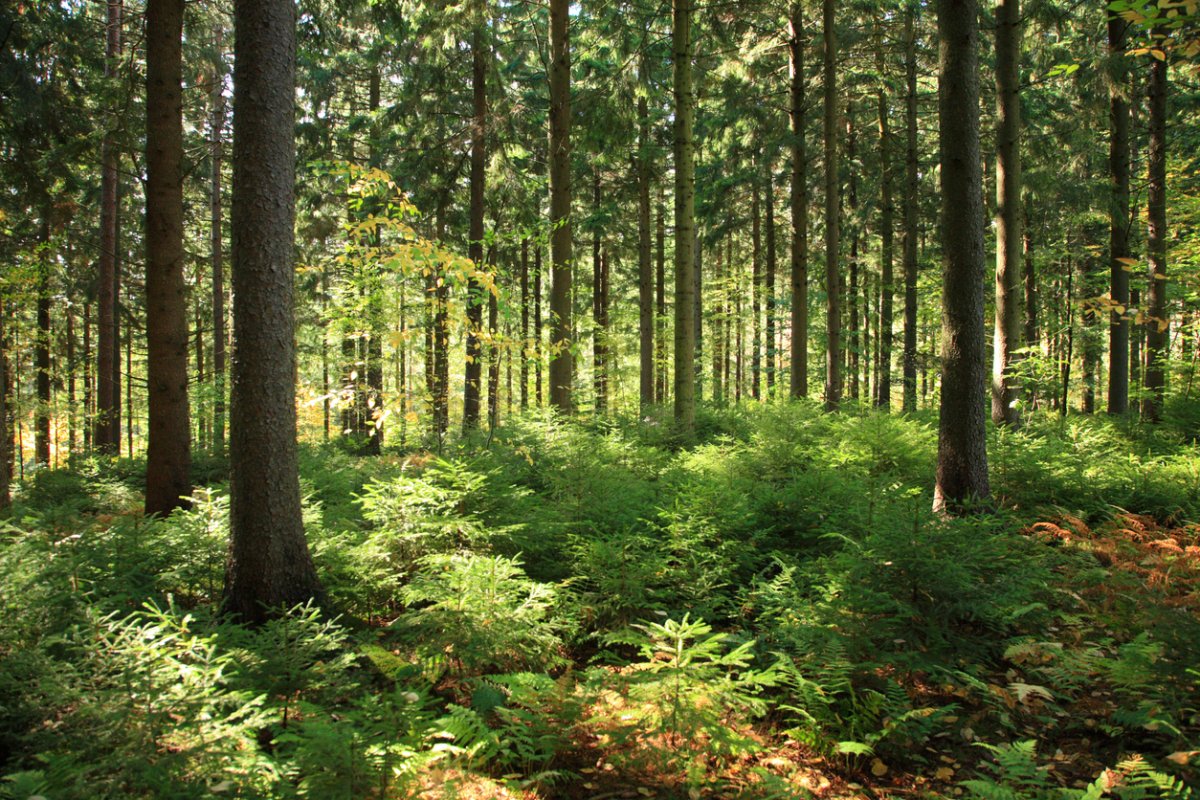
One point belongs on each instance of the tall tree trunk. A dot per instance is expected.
(756, 292)
(269, 565)
(833, 317)
(1091, 343)
(6, 432)
(1008, 212)
(198, 347)
(854, 339)
(372, 344)
(108, 397)
(525, 348)
(441, 340)
(719, 320)
(473, 371)
(1118, 239)
(88, 391)
(887, 288)
(645, 264)
(1136, 336)
(1158, 324)
(962, 471)
(599, 325)
(799, 265)
(562, 368)
(537, 324)
(769, 289)
(1031, 336)
(168, 457)
(216, 131)
(686, 270)
(660, 299)
(41, 357)
(493, 350)
(911, 209)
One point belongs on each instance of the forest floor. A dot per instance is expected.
(586, 610)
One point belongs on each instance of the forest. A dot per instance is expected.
(542, 400)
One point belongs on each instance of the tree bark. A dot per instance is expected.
(686, 270)
(473, 371)
(887, 288)
(799, 198)
(833, 316)
(6, 431)
(1118, 239)
(756, 292)
(168, 458)
(1157, 324)
(107, 432)
(562, 367)
(645, 264)
(599, 307)
(962, 471)
(911, 209)
(1008, 212)
(41, 348)
(525, 349)
(769, 288)
(269, 565)
(216, 213)
(660, 299)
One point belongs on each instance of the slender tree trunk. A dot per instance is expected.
(599, 325)
(198, 349)
(269, 565)
(962, 471)
(854, 339)
(686, 267)
(1031, 335)
(537, 324)
(833, 317)
(525, 348)
(1136, 337)
(911, 209)
(493, 351)
(441, 341)
(756, 293)
(108, 417)
(799, 265)
(645, 264)
(887, 287)
(6, 432)
(769, 288)
(1090, 350)
(473, 371)
(41, 357)
(1120, 263)
(88, 391)
(1008, 212)
(217, 127)
(660, 300)
(562, 368)
(1158, 323)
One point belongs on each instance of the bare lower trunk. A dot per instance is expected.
(799, 202)
(686, 270)
(562, 368)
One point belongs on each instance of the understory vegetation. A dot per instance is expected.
(582, 609)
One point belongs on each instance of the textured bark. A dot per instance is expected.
(833, 314)
(887, 287)
(493, 405)
(1118, 238)
(1157, 323)
(799, 202)
(373, 398)
(537, 325)
(107, 433)
(88, 391)
(962, 472)
(1090, 350)
(645, 263)
(562, 367)
(856, 340)
(216, 221)
(769, 288)
(269, 564)
(1008, 212)
(473, 371)
(686, 270)
(911, 209)
(168, 457)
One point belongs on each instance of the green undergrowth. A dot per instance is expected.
(564, 604)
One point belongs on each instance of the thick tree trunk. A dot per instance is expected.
(168, 458)
(911, 209)
(686, 268)
(1008, 212)
(269, 566)
(799, 198)
(562, 367)
(645, 264)
(887, 288)
(833, 316)
(1157, 324)
(962, 471)
(107, 429)
(473, 370)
